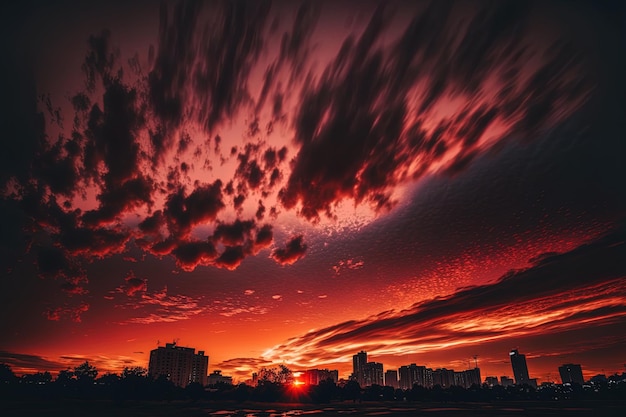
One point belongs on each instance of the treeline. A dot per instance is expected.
(134, 384)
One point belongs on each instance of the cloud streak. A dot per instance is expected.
(572, 291)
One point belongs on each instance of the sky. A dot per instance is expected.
(293, 182)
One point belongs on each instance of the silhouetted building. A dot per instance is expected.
(217, 378)
(315, 376)
(520, 369)
(571, 373)
(373, 374)
(505, 381)
(391, 378)
(405, 380)
(443, 377)
(181, 365)
(412, 374)
(471, 377)
(359, 361)
(492, 381)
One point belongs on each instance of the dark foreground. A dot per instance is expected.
(82, 408)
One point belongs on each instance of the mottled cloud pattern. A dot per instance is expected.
(149, 159)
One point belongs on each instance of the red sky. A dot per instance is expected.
(292, 183)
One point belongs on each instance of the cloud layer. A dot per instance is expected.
(574, 291)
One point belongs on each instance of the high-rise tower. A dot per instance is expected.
(520, 369)
(359, 362)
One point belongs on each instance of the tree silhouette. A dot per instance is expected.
(136, 372)
(6, 374)
(352, 391)
(64, 377)
(85, 372)
(37, 378)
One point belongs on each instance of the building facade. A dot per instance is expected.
(315, 376)
(181, 365)
(391, 378)
(505, 381)
(217, 378)
(571, 373)
(359, 361)
(412, 374)
(520, 369)
(373, 374)
(492, 381)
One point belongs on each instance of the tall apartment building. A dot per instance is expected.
(468, 378)
(315, 376)
(373, 374)
(413, 374)
(443, 377)
(520, 369)
(391, 378)
(181, 365)
(359, 361)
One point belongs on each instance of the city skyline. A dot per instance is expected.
(182, 366)
(292, 183)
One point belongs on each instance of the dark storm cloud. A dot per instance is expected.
(214, 66)
(170, 74)
(193, 253)
(264, 236)
(362, 125)
(153, 223)
(361, 134)
(116, 200)
(112, 132)
(202, 204)
(231, 257)
(234, 233)
(294, 249)
(96, 242)
(57, 166)
(51, 262)
(561, 292)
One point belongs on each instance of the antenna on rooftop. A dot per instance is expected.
(475, 361)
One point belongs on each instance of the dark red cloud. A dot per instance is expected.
(264, 236)
(73, 313)
(151, 225)
(201, 205)
(235, 233)
(293, 251)
(134, 285)
(363, 124)
(231, 257)
(115, 200)
(193, 253)
(361, 133)
(214, 66)
(97, 242)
